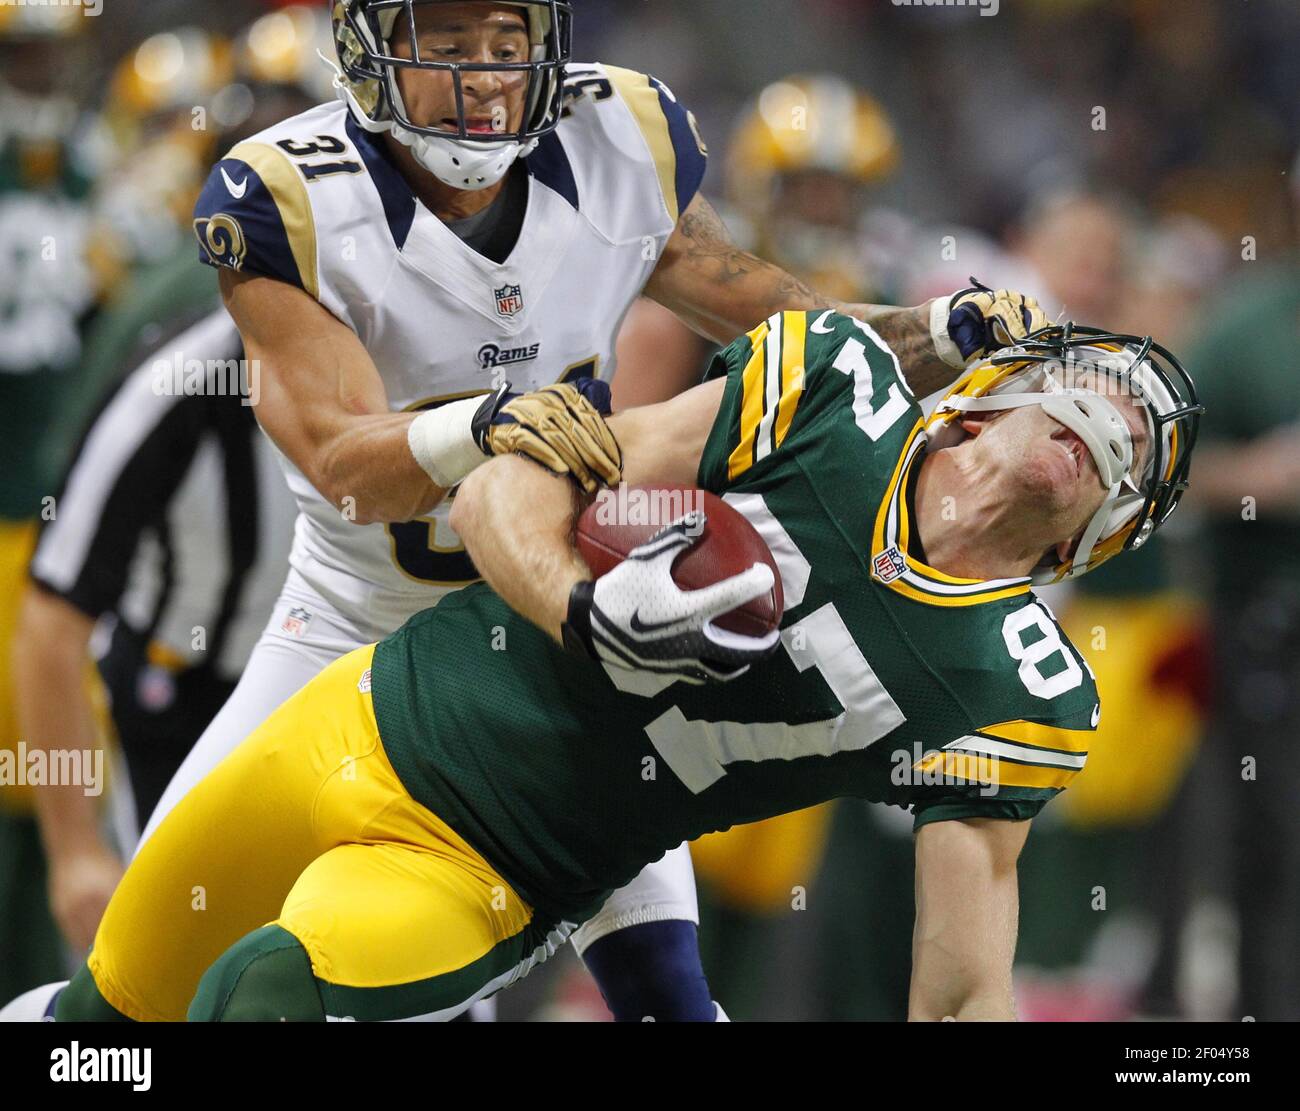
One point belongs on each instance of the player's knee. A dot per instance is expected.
(266, 976)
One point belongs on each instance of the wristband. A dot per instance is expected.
(443, 443)
(947, 350)
(576, 630)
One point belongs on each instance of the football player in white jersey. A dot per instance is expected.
(476, 206)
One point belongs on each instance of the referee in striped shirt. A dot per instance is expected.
(165, 551)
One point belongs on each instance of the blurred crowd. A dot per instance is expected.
(1132, 163)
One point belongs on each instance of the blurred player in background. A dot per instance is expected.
(174, 523)
(800, 165)
(49, 295)
(1246, 355)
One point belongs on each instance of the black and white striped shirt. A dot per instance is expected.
(174, 515)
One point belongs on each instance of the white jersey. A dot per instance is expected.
(317, 202)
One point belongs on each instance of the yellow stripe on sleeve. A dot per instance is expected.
(642, 99)
(290, 193)
(968, 767)
(753, 386)
(1041, 736)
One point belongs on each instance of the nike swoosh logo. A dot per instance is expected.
(236, 191)
(817, 324)
(638, 626)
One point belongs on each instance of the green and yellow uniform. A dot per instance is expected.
(529, 782)
(571, 780)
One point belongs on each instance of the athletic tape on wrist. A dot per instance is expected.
(940, 310)
(442, 442)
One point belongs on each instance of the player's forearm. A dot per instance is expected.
(516, 521)
(908, 334)
(722, 291)
(367, 471)
(967, 912)
(55, 713)
(942, 990)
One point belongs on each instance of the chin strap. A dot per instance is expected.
(1083, 553)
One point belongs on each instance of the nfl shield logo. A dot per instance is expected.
(297, 621)
(510, 300)
(888, 565)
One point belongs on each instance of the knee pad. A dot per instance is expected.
(266, 976)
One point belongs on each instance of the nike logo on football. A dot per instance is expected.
(817, 324)
(236, 191)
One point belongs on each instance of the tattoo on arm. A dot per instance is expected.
(707, 241)
(725, 290)
(718, 288)
(907, 331)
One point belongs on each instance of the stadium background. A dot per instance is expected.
(1130, 162)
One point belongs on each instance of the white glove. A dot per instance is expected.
(637, 617)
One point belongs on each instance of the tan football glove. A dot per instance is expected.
(975, 322)
(562, 427)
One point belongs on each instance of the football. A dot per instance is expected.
(620, 520)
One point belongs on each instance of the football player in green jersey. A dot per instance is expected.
(434, 814)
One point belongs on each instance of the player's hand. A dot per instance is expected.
(637, 617)
(983, 320)
(562, 427)
(81, 885)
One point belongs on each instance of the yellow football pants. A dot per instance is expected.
(306, 826)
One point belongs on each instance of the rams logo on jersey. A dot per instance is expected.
(223, 239)
(493, 355)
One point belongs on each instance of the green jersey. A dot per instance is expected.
(894, 682)
(48, 296)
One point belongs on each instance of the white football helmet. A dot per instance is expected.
(366, 80)
(1046, 370)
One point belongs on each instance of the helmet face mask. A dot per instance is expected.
(364, 35)
(1060, 356)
